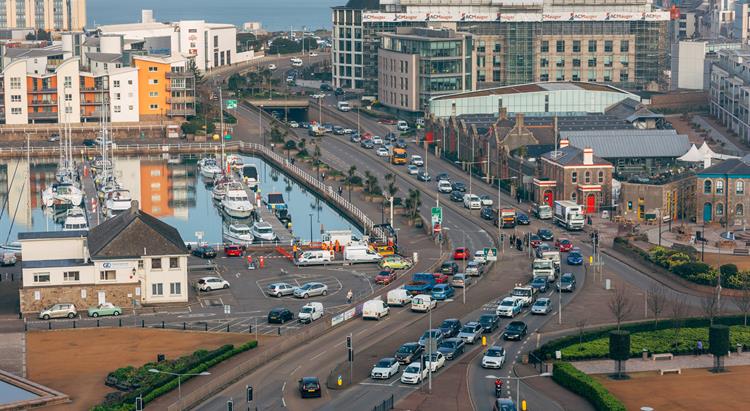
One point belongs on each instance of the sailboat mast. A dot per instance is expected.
(221, 117)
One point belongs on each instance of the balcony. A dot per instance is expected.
(181, 112)
(179, 74)
(94, 89)
(171, 87)
(42, 103)
(181, 100)
(91, 103)
(43, 90)
(44, 115)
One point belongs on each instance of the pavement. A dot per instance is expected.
(678, 361)
(13, 353)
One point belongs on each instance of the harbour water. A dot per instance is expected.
(171, 189)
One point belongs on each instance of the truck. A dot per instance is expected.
(568, 214)
(554, 256)
(361, 254)
(542, 211)
(421, 283)
(526, 294)
(316, 131)
(343, 237)
(541, 267)
(343, 106)
(508, 217)
(399, 156)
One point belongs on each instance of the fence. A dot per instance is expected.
(386, 405)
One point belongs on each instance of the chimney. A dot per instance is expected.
(134, 207)
(503, 114)
(564, 143)
(588, 156)
(147, 16)
(519, 120)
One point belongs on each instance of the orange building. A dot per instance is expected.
(165, 86)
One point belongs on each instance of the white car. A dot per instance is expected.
(472, 202)
(509, 307)
(444, 186)
(486, 201)
(313, 54)
(348, 131)
(212, 283)
(542, 306)
(416, 160)
(383, 152)
(436, 361)
(480, 257)
(318, 95)
(413, 169)
(422, 303)
(384, 369)
(376, 140)
(293, 124)
(414, 373)
(272, 66)
(494, 357)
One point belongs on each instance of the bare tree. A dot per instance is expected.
(679, 312)
(657, 298)
(620, 305)
(711, 306)
(743, 300)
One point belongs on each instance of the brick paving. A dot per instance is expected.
(679, 361)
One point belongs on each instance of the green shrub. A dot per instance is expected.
(690, 269)
(576, 381)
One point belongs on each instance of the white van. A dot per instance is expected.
(422, 303)
(402, 125)
(361, 254)
(374, 309)
(313, 257)
(554, 256)
(343, 106)
(296, 62)
(310, 312)
(398, 297)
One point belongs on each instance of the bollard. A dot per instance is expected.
(143, 323)
(205, 327)
(97, 323)
(74, 323)
(184, 326)
(120, 321)
(249, 329)
(227, 327)
(12, 276)
(25, 326)
(162, 325)
(49, 325)
(279, 330)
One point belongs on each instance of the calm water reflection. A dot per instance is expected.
(168, 188)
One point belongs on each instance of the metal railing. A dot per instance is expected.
(386, 405)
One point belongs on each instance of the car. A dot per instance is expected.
(326, 87)
(515, 330)
(471, 332)
(385, 277)
(348, 131)
(355, 138)
(451, 348)
(435, 334)
(367, 144)
(55, 137)
(472, 201)
(575, 257)
(489, 322)
(212, 283)
(441, 278)
(449, 267)
(494, 357)
(8, 259)
(412, 169)
(460, 280)
(423, 175)
(385, 369)
(338, 130)
(382, 152)
(414, 373)
(522, 219)
(408, 352)
(443, 177)
(534, 240)
(486, 200)
(313, 54)
(540, 284)
(61, 310)
(450, 327)
(442, 292)
(310, 290)
(280, 315)
(435, 361)
(395, 262)
(272, 67)
(474, 268)
(204, 251)
(315, 96)
(542, 306)
(461, 253)
(310, 312)
(104, 309)
(567, 283)
(458, 186)
(309, 387)
(279, 289)
(339, 91)
(402, 125)
(377, 140)
(480, 257)
(445, 187)
(545, 234)
(509, 307)
(456, 197)
(304, 124)
(233, 250)
(416, 160)
(564, 245)
(542, 248)
(401, 143)
(504, 404)
(87, 142)
(488, 213)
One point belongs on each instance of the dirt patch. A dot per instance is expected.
(76, 362)
(695, 389)
(716, 260)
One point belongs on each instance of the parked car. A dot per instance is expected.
(540, 284)
(385, 277)
(293, 124)
(54, 137)
(488, 213)
(414, 373)
(310, 312)
(442, 292)
(61, 310)
(87, 142)
(509, 307)
(450, 327)
(470, 332)
(395, 262)
(545, 234)
(423, 176)
(280, 315)
(280, 289)
(461, 280)
(522, 219)
(435, 361)
(564, 245)
(385, 368)
(456, 196)
(515, 330)
(309, 387)
(408, 352)
(542, 306)
(104, 309)
(212, 283)
(474, 268)
(233, 250)
(204, 251)
(489, 322)
(435, 334)
(451, 348)
(311, 289)
(412, 169)
(567, 283)
(575, 257)
(494, 357)
(449, 267)
(461, 253)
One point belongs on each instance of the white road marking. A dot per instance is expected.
(295, 370)
(318, 355)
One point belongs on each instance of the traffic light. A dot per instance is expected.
(249, 390)
(348, 342)
(139, 403)
(502, 237)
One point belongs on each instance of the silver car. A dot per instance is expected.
(470, 332)
(542, 306)
(59, 311)
(280, 289)
(310, 290)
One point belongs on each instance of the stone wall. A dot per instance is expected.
(118, 294)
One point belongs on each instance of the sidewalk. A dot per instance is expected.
(564, 398)
(681, 361)
(449, 392)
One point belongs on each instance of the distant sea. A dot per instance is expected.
(275, 15)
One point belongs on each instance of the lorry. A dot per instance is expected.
(343, 237)
(508, 217)
(568, 214)
(343, 106)
(542, 211)
(542, 267)
(553, 255)
(398, 156)
(525, 293)
(421, 283)
(361, 254)
(316, 130)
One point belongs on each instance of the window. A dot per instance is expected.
(156, 263)
(192, 30)
(587, 177)
(707, 187)
(117, 109)
(68, 97)
(16, 110)
(140, 264)
(739, 210)
(157, 289)
(130, 108)
(544, 62)
(68, 82)
(153, 106)
(630, 206)
(719, 209)
(71, 276)
(573, 196)
(116, 83)
(175, 288)
(41, 277)
(15, 83)
(107, 275)
(545, 46)
(740, 187)
(576, 62)
(560, 46)
(15, 98)
(574, 177)
(600, 177)
(174, 262)
(576, 46)
(68, 110)
(153, 69)
(216, 41)
(607, 46)
(592, 61)
(592, 46)
(153, 81)
(117, 96)
(624, 46)
(153, 94)
(130, 82)
(719, 187)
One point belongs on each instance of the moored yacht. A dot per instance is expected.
(236, 203)
(117, 201)
(75, 220)
(209, 168)
(238, 234)
(62, 193)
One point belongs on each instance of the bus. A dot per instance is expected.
(399, 156)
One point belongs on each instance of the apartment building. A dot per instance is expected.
(50, 15)
(166, 86)
(729, 90)
(720, 193)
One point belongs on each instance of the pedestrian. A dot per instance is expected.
(349, 296)
(341, 190)
(292, 160)
(294, 251)
(699, 348)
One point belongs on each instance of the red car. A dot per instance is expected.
(385, 277)
(233, 251)
(461, 253)
(441, 278)
(564, 245)
(535, 240)
(387, 121)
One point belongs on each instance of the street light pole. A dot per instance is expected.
(311, 231)
(179, 381)
(429, 358)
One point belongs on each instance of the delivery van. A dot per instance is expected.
(314, 257)
(374, 309)
(422, 303)
(310, 312)
(361, 254)
(398, 297)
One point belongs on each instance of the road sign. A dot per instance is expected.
(231, 104)
(437, 215)
(227, 309)
(227, 136)
(491, 254)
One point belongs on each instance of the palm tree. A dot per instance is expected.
(392, 188)
(316, 159)
(372, 183)
(413, 202)
(349, 177)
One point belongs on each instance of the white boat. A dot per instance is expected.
(210, 168)
(238, 234)
(13, 246)
(75, 220)
(235, 162)
(61, 193)
(236, 203)
(220, 189)
(263, 231)
(249, 174)
(117, 201)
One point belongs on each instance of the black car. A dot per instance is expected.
(338, 130)
(567, 282)
(423, 176)
(408, 352)
(451, 348)
(545, 234)
(401, 143)
(89, 143)
(459, 186)
(522, 219)
(541, 249)
(487, 213)
(449, 267)
(515, 330)
(368, 144)
(450, 327)
(325, 87)
(390, 137)
(456, 196)
(204, 251)
(309, 387)
(280, 315)
(489, 322)
(339, 91)
(443, 176)
(540, 284)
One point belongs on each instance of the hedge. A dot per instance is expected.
(150, 393)
(576, 381)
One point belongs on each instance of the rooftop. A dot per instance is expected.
(531, 88)
(361, 5)
(632, 143)
(570, 156)
(17, 53)
(423, 33)
(174, 58)
(734, 167)
(105, 57)
(67, 262)
(43, 235)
